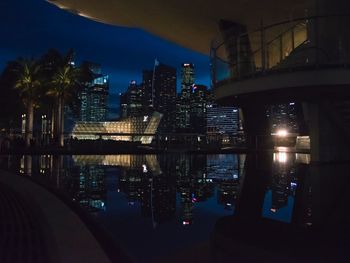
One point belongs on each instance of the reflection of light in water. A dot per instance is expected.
(302, 158)
(281, 149)
(144, 168)
(280, 157)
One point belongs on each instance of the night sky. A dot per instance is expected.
(30, 27)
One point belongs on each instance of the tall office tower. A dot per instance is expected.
(164, 94)
(182, 114)
(187, 79)
(184, 102)
(123, 107)
(131, 101)
(283, 116)
(99, 99)
(198, 102)
(94, 96)
(222, 122)
(158, 93)
(146, 89)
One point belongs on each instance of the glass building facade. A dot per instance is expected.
(222, 121)
(94, 96)
(129, 129)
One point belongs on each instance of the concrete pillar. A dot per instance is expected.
(327, 143)
(249, 206)
(256, 126)
(330, 196)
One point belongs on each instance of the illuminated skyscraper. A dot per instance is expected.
(283, 116)
(131, 101)
(164, 94)
(199, 100)
(184, 101)
(146, 89)
(222, 122)
(164, 87)
(94, 96)
(187, 79)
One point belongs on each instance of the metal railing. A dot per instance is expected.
(317, 41)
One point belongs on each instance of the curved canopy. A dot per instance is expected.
(190, 23)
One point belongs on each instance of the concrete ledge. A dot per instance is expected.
(68, 239)
(286, 82)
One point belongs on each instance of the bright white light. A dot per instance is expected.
(282, 133)
(280, 157)
(144, 167)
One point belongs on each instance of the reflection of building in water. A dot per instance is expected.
(45, 163)
(228, 192)
(86, 185)
(127, 161)
(283, 180)
(193, 184)
(184, 179)
(224, 166)
(130, 183)
(280, 188)
(203, 188)
(133, 128)
(163, 199)
(155, 191)
(227, 171)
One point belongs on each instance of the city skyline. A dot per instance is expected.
(115, 48)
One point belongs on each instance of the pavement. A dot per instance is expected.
(36, 226)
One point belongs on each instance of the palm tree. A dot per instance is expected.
(28, 83)
(51, 61)
(64, 83)
(64, 87)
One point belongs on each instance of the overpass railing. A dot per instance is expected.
(308, 42)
